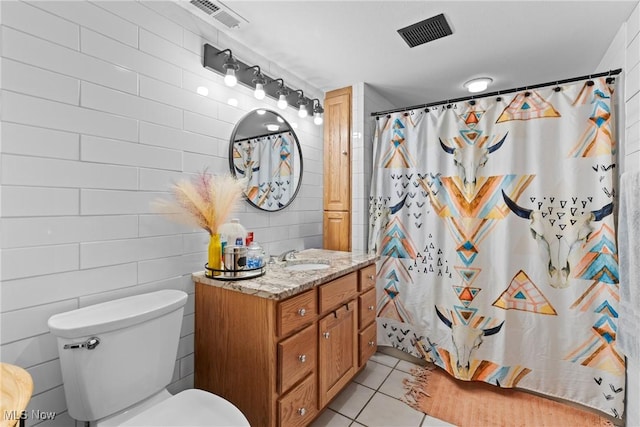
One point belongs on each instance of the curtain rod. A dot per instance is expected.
(500, 92)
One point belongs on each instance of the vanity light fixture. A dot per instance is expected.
(259, 81)
(252, 77)
(318, 112)
(478, 85)
(272, 127)
(230, 66)
(302, 105)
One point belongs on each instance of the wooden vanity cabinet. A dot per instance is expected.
(282, 361)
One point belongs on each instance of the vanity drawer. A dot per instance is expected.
(296, 312)
(297, 357)
(367, 343)
(366, 308)
(338, 291)
(367, 277)
(300, 405)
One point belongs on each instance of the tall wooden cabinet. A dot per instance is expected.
(337, 170)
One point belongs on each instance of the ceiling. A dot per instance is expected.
(332, 44)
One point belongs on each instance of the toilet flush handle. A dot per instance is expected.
(89, 344)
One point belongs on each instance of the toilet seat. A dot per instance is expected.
(191, 407)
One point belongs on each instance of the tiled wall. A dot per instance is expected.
(365, 101)
(99, 114)
(624, 52)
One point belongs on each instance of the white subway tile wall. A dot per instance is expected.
(100, 116)
(365, 101)
(624, 52)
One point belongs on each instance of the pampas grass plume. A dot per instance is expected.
(205, 201)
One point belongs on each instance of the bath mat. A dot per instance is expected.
(478, 404)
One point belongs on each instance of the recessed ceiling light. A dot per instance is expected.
(272, 127)
(478, 85)
(202, 90)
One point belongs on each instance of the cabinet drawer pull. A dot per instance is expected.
(371, 277)
(302, 411)
(370, 308)
(302, 358)
(302, 312)
(345, 153)
(326, 335)
(371, 343)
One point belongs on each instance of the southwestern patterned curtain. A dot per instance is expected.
(494, 220)
(267, 164)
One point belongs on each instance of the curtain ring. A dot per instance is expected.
(590, 83)
(527, 93)
(472, 102)
(498, 99)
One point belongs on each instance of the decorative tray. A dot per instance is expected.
(224, 274)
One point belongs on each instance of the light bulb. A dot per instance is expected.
(230, 78)
(302, 112)
(259, 92)
(317, 118)
(202, 90)
(282, 102)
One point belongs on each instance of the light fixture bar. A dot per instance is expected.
(246, 76)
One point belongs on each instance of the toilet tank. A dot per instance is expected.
(135, 358)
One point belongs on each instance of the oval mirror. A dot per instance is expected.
(265, 150)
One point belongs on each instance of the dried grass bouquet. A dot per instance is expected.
(205, 200)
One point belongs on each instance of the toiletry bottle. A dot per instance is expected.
(249, 238)
(223, 244)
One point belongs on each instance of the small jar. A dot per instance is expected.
(255, 256)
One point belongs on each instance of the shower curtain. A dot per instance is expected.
(267, 164)
(494, 222)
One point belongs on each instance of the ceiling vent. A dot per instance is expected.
(426, 31)
(211, 11)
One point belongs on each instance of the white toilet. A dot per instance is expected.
(117, 358)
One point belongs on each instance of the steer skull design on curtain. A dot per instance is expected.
(494, 220)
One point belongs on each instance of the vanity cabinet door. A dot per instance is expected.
(367, 278)
(296, 312)
(300, 405)
(367, 343)
(296, 357)
(337, 350)
(366, 308)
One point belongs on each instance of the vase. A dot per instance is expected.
(214, 259)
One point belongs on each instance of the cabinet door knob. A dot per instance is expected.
(371, 277)
(371, 343)
(302, 358)
(370, 308)
(345, 153)
(302, 411)
(326, 335)
(302, 312)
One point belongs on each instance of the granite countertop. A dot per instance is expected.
(279, 283)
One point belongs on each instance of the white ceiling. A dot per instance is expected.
(332, 44)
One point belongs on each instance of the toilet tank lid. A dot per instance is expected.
(116, 314)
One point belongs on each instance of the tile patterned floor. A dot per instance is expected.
(372, 399)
